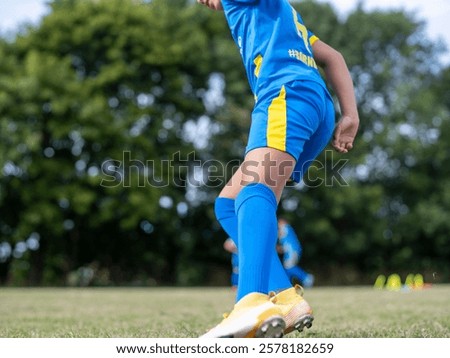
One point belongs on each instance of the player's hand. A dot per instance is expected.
(212, 4)
(345, 133)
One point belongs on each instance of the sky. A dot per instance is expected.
(436, 14)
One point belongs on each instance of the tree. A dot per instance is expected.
(121, 120)
(93, 105)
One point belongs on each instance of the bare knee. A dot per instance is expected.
(262, 165)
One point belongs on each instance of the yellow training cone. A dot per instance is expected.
(379, 282)
(394, 282)
(418, 282)
(409, 282)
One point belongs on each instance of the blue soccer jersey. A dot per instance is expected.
(274, 43)
(294, 111)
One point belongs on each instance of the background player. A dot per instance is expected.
(291, 248)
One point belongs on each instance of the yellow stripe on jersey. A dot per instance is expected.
(258, 62)
(313, 39)
(277, 122)
(301, 29)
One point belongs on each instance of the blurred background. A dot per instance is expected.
(121, 120)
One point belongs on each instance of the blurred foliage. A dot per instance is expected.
(120, 121)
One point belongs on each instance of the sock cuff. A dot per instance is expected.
(224, 208)
(255, 189)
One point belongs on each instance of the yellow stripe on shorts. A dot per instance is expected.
(277, 122)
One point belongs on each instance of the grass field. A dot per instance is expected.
(188, 312)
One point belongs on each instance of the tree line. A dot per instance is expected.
(121, 120)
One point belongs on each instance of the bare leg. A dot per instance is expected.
(267, 166)
(257, 227)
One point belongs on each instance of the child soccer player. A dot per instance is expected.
(291, 248)
(292, 121)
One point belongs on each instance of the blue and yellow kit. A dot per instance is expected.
(293, 105)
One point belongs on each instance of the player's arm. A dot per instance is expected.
(212, 4)
(230, 246)
(338, 75)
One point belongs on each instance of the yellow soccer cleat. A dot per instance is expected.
(297, 313)
(253, 316)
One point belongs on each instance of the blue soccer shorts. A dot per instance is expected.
(298, 119)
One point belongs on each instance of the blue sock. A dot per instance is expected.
(256, 207)
(225, 213)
